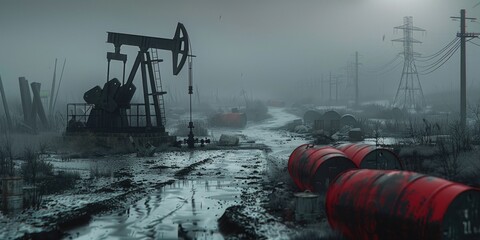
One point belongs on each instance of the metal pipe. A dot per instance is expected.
(145, 89)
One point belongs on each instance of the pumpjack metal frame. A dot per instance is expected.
(110, 106)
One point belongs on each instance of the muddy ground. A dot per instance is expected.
(239, 193)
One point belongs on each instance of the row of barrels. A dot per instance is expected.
(313, 168)
(369, 196)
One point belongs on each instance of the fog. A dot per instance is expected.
(272, 49)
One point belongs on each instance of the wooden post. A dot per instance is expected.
(5, 105)
(37, 105)
(26, 100)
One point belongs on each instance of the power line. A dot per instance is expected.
(474, 43)
(389, 70)
(381, 68)
(430, 66)
(427, 58)
(425, 73)
(426, 67)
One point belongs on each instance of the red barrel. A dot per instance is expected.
(313, 168)
(380, 204)
(371, 156)
(233, 120)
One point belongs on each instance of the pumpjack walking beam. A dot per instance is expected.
(179, 45)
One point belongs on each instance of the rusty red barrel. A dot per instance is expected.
(371, 156)
(313, 168)
(233, 120)
(386, 204)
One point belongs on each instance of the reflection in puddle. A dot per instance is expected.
(187, 209)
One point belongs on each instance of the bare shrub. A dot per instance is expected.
(34, 200)
(6, 157)
(448, 160)
(449, 150)
(96, 172)
(461, 137)
(415, 131)
(34, 168)
(58, 183)
(280, 198)
(43, 147)
(393, 126)
(475, 110)
(415, 162)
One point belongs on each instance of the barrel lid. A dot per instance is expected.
(11, 178)
(306, 194)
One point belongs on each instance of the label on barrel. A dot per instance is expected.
(462, 220)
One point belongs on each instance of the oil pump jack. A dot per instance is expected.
(109, 109)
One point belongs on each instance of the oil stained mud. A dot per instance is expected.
(187, 209)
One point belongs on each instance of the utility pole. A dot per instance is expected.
(330, 88)
(356, 78)
(321, 87)
(463, 35)
(336, 89)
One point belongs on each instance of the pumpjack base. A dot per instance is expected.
(119, 139)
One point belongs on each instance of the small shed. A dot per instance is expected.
(348, 120)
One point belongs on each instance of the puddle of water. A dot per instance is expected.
(187, 209)
(85, 167)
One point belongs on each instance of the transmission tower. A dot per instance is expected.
(409, 93)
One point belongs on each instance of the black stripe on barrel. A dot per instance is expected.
(380, 204)
(313, 168)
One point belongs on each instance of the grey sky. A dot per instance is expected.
(267, 47)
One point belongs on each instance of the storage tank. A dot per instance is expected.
(371, 156)
(348, 120)
(310, 116)
(313, 168)
(331, 121)
(387, 204)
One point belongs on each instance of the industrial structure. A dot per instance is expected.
(409, 93)
(108, 111)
